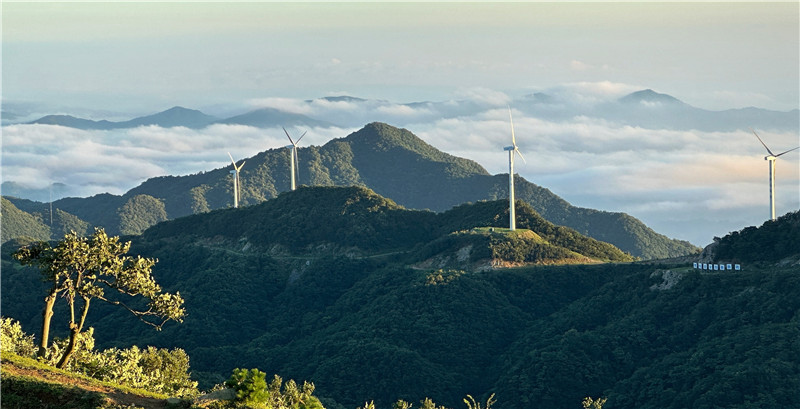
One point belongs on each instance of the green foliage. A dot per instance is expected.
(65, 223)
(250, 386)
(29, 393)
(199, 202)
(139, 213)
(589, 403)
(253, 391)
(773, 241)
(17, 224)
(14, 340)
(443, 277)
(85, 268)
(49, 387)
(473, 404)
(153, 369)
(557, 242)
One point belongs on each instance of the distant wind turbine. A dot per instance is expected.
(513, 149)
(771, 158)
(235, 173)
(293, 146)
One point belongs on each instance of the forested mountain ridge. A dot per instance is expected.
(391, 161)
(372, 323)
(773, 241)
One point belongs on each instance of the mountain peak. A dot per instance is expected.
(175, 116)
(650, 97)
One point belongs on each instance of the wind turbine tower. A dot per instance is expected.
(293, 155)
(235, 174)
(512, 150)
(771, 159)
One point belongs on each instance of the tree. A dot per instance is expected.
(589, 403)
(82, 269)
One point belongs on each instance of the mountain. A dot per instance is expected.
(73, 122)
(650, 97)
(189, 118)
(645, 108)
(333, 285)
(774, 241)
(175, 116)
(16, 223)
(393, 162)
(651, 109)
(271, 117)
(358, 219)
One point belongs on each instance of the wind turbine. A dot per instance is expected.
(293, 146)
(771, 158)
(235, 173)
(513, 149)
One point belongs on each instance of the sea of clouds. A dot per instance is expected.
(686, 184)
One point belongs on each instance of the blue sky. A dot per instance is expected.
(118, 60)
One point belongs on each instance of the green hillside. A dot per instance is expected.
(773, 241)
(18, 224)
(329, 285)
(393, 162)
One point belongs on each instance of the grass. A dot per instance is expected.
(30, 363)
(28, 383)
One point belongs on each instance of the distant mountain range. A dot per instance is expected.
(175, 116)
(645, 108)
(189, 118)
(393, 162)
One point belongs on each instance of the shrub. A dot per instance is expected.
(250, 386)
(13, 340)
(252, 391)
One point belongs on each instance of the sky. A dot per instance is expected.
(119, 60)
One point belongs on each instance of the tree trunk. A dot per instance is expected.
(47, 315)
(73, 340)
(74, 331)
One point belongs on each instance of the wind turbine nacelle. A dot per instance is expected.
(233, 172)
(770, 157)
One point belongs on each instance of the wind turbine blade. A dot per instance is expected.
(287, 135)
(301, 136)
(242, 165)
(513, 138)
(232, 161)
(762, 142)
(520, 154)
(787, 151)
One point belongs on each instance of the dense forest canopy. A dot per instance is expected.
(352, 307)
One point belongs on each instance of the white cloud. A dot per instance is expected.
(402, 110)
(576, 65)
(291, 105)
(686, 184)
(483, 95)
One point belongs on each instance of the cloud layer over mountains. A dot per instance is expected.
(687, 173)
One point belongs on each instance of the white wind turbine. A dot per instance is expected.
(293, 146)
(771, 158)
(513, 149)
(235, 173)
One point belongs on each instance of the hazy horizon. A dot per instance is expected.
(121, 60)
